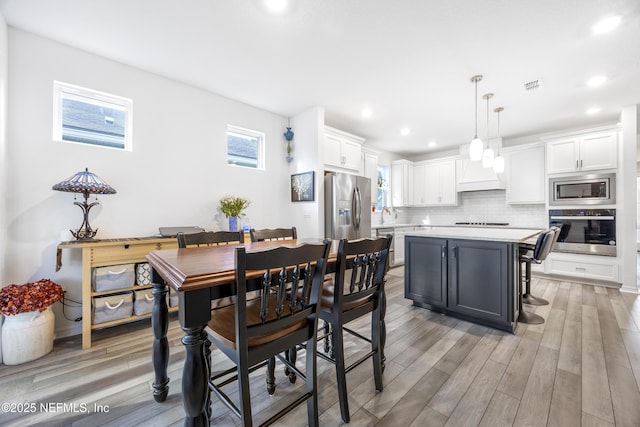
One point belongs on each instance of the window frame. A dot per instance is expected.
(249, 134)
(62, 91)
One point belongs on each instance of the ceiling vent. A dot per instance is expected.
(532, 85)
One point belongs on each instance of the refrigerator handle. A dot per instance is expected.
(357, 209)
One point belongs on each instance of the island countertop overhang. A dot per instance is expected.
(514, 235)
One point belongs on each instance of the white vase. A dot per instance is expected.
(27, 336)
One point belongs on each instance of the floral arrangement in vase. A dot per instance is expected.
(38, 296)
(232, 207)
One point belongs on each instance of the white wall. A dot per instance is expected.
(3, 139)
(307, 148)
(626, 216)
(175, 174)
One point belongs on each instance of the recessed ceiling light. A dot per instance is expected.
(593, 110)
(276, 6)
(605, 25)
(405, 131)
(366, 113)
(432, 144)
(596, 81)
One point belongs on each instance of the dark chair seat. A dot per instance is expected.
(327, 298)
(223, 322)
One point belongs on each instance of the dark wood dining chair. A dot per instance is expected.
(273, 234)
(209, 238)
(355, 290)
(221, 296)
(253, 331)
(268, 234)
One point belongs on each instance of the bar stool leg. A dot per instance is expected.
(527, 298)
(524, 316)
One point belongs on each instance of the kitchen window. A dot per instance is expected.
(87, 116)
(245, 147)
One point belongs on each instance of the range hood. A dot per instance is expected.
(473, 177)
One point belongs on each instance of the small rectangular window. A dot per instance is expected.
(86, 116)
(245, 147)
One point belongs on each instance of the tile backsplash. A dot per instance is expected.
(475, 206)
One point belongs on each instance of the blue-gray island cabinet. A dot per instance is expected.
(466, 272)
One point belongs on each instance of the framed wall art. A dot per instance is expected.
(302, 187)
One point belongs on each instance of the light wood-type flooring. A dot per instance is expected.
(581, 367)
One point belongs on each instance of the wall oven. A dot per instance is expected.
(585, 231)
(595, 189)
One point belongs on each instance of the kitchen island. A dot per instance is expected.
(467, 272)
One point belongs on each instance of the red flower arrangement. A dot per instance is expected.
(16, 299)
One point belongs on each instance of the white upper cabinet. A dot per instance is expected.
(524, 169)
(402, 183)
(586, 152)
(370, 170)
(342, 150)
(440, 184)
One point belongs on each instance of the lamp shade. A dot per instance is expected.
(498, 164)
(475, 149)
(84, 182)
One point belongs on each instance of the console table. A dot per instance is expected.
(107, 252)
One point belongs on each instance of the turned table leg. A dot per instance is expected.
(160, 325)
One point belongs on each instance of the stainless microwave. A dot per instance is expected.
(594, 189)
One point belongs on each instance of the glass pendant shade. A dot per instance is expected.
(475, 149)
(498, 164)
(487, 158)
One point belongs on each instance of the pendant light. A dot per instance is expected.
(476, 147)
(498, 162)
(487, 154)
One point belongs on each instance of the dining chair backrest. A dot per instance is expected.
(273, 234)
(209, 238)
(278, 271)
(360, 269)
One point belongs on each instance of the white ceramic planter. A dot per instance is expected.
(27, 336)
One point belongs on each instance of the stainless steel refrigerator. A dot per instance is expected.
(347, 206)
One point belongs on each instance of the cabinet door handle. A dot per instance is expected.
(454, 251)
(444, 251)
(580, 164)
(577, 167)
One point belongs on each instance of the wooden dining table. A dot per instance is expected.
(200, 275)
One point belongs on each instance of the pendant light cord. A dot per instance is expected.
(476, 102)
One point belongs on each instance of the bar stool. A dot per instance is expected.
(527, 298)
(543, 246)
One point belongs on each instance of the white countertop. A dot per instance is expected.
(495, 234)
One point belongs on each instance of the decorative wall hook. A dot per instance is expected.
(288, 135)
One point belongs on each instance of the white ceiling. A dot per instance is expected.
(410, 61)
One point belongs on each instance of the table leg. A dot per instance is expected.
(160, 325)
(195, 377)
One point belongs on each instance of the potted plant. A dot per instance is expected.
(27, 332)
(232, 207)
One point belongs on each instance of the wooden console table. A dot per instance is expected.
(107, 252)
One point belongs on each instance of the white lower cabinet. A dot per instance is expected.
(591, 267)
(398, 245)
